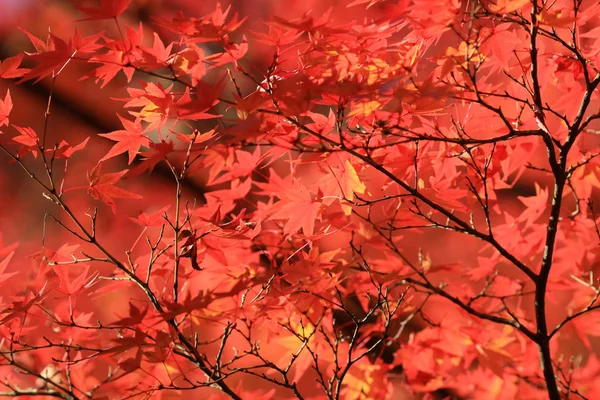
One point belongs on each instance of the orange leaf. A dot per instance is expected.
(102, 187)
(128, 140)
(299, 209)
(5, 108)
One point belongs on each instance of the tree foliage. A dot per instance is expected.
(368, 199)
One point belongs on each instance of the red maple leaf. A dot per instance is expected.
(9, 68)
(118, 57)
(134, 317)
(49, 57)
(196, 136)
(28, 140)
(3, 265)
(65, 150)
(21, 307)
(128, 140)
(162, 348)
(195, 109)
(158, 55)
(72, 287)
(157, 153)
(6, 250)
(102, 187)
(5, 108)
(154, 219)
(132, 364)
(107, 9)
(209, 28)
(300, 210)
(86, 44)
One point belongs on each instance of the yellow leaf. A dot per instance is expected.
(507, 6)
(350, 183)
(365, 108)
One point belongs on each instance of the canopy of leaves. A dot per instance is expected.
(378, 199)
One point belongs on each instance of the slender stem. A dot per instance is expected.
(179, 178)
(176, 230)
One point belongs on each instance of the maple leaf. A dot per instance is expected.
(5, 108)
(504, 286)
(303, 330)
(485, 267)
(49, 58)
(246, 105)
(277, 35)
(128, 140)
(102, 187)
(158, 152)
(236, 51)
(112, 63)
(209, 28)
(9, 68)
(360, 2)
(310, 268)
(28, 139)
(161, 348)
(190, 62)
(6, 250)
(125, 343)
(187, 305)
(501, 43)
(246, 163)
(107, 9)
(195, 109)
(307, 23)
(86, 44)
(556, 17)
(536, 205)
(350, 182)
(239, 190)
(585, 328)
(155, 101)
(65, 150)
(21, 307)
(72, 287)
(344, 182)
(120, 55)
(432, 18)
(365, 108)
(3, 265)
(158, 55)
(197, 137)
(275, 185)
(300, 210)
(132, 364)
(506, 6)
(154, 219)
(366, 381)
(48, 256)
(134, 318)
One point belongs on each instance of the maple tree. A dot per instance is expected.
(367, 199)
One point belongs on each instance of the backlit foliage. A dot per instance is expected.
(369, 199)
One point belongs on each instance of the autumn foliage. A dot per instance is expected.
(368, 199)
